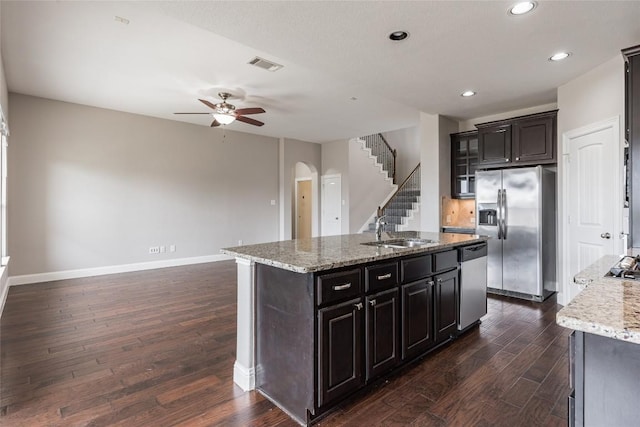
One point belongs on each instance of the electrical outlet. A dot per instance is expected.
(154, 250)
(240, 242)
(448, 220)
(273, 202)
(172, 248)
(163, 249)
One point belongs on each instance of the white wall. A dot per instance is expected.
(368, 187)
(446, 127)
(90, 187)
(406, 142)
(593, 97)
(335, 161)
(291, 152)
(429, 172)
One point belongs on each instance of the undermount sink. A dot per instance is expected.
(401, 243)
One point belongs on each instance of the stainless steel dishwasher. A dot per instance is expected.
(473, 284)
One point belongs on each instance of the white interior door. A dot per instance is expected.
(331, 205)
(593, 196)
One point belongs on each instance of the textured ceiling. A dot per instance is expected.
(173, 52)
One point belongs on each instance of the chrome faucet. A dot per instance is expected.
(379, 224)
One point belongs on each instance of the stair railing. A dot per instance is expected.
(412, 181)
(384, 153)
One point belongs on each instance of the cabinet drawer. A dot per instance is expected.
(379, 277)
(417, 268)
(338, 286)
(445, 260)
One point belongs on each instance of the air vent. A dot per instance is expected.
(264, 64)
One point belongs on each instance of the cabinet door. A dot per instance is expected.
(464, 160)
(446, 304)
(533, 141)
(417, 318)
(340, 352)
(494, 145)
(382, 332)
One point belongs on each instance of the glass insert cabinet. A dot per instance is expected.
(464, 158)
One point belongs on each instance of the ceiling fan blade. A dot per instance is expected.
(249, 120)
(207, 103)
(244, 111)
(192, 113)
(215, 123)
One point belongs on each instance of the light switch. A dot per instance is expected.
(273, 202)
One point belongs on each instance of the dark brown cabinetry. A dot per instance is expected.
(446, 301)
(382, 332)
(632, 133)
(494, 145)
(340, 350)
(417, 315)
(464, 160)
(534, 140)
(520, 141)
(323, 336)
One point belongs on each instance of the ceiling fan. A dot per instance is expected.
(225, 113)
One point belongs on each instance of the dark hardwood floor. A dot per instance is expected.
(156, 348)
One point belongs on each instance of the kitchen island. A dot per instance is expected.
(321, 318)
(604, 351)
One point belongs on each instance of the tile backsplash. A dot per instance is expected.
(458, 213)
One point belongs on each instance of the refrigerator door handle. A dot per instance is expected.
(504, 214)
(499, 214)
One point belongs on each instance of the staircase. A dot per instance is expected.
(382, 151)
(402, 204)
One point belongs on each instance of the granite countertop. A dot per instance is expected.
(607, 306)
(324, 253)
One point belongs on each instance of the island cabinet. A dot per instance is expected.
(603, 381)
(519, 141)
(322, 336)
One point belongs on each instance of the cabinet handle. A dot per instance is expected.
(517, 158)
(384, 276)
(506, 160)
(342, 287)
(358, 306)
(372, 302)
(430, 282)
(439, 280)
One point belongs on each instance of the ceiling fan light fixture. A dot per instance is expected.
(224, 119)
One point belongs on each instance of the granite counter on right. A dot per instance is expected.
(604, 349)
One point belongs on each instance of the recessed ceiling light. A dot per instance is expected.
(522, 7)
(396, 36)
(467, 93)
(559, 56)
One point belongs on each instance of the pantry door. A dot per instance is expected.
(593, 195)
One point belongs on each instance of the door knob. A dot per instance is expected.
(605, 235)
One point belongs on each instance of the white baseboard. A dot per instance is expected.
(4, 287)
(244, 377)
(113, 269)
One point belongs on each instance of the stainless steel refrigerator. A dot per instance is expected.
(516, 208)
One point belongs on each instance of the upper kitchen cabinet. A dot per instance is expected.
(520, 141)
(632, 134)
(464, 160)
(495, 144)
